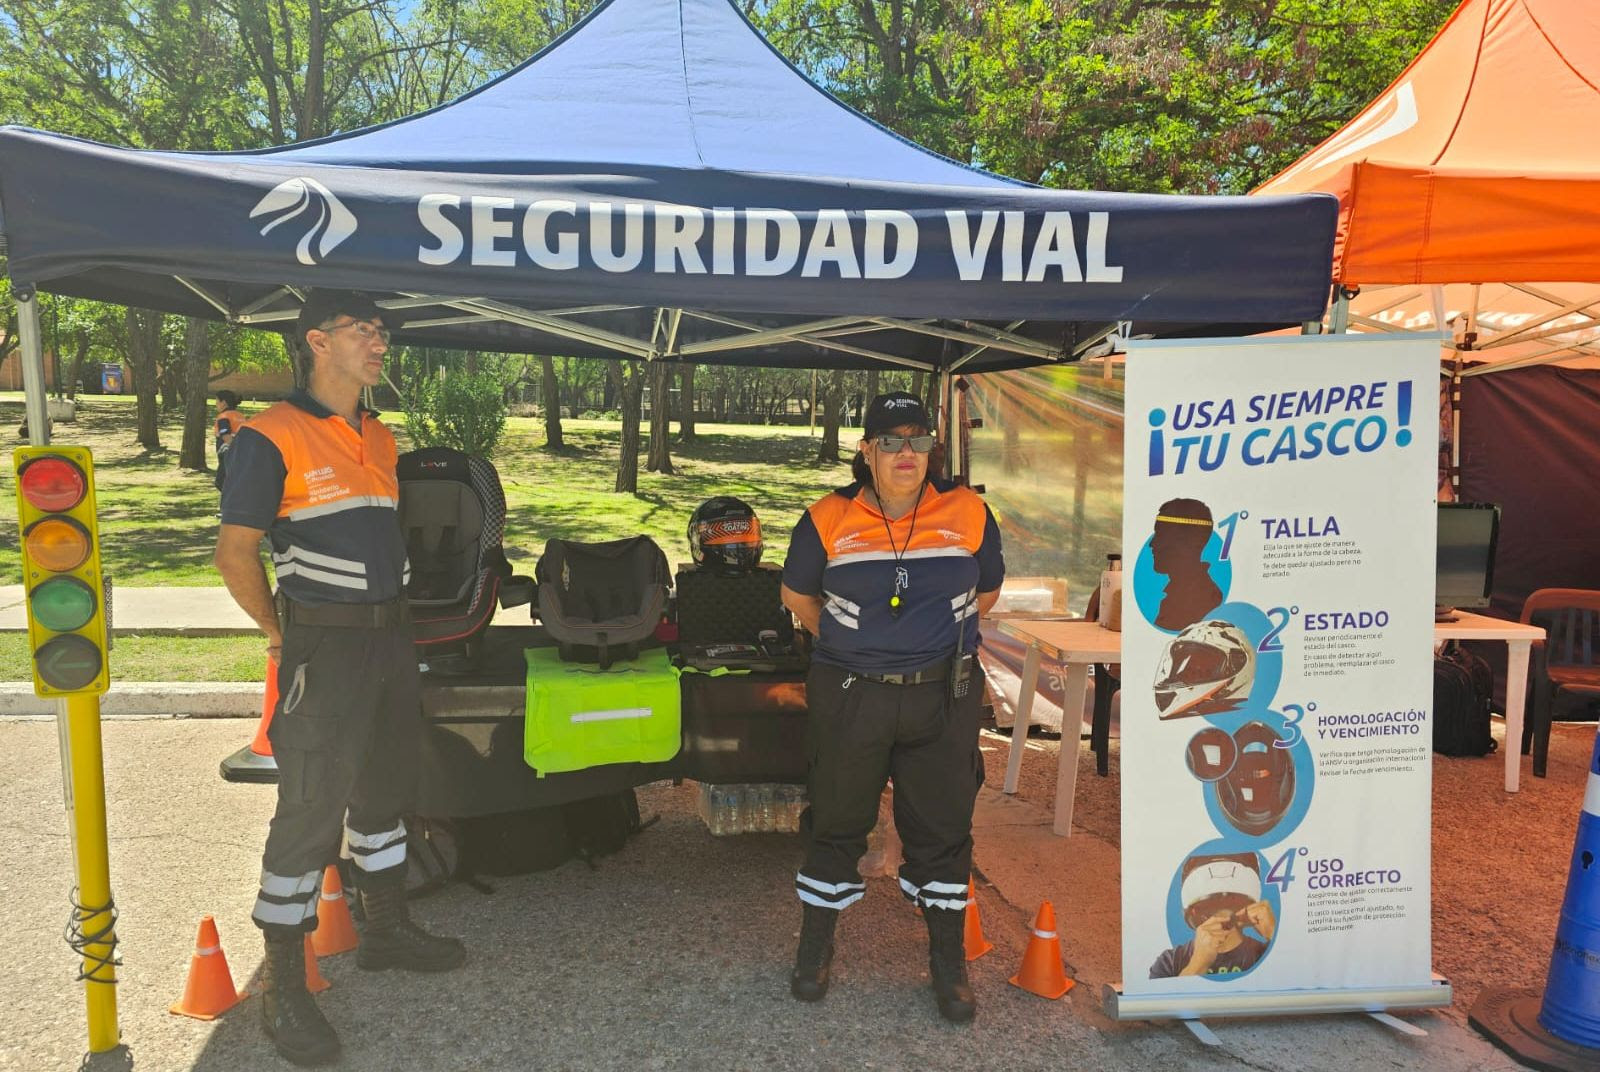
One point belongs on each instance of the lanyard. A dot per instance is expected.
(902, 580)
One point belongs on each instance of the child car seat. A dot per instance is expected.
(452, 512)
(600, 600)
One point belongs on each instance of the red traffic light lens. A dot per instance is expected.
(53, 483)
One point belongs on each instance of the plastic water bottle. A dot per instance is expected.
(737, 811)
(717, 810)
(769, 808)
(788, 817)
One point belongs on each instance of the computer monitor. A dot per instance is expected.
(1465, 568)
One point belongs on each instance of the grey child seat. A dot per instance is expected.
(452, 512)
(600, 601)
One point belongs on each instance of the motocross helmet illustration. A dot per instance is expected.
(1211, 754)
(1207, 669)
(1225, 882)
(725, 535)
(1256, 793)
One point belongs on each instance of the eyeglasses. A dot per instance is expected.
(365, 331)
(894, 444)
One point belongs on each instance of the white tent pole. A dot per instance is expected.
(1455, 425)
(32, 344)
(1339, 315)
(952, 431)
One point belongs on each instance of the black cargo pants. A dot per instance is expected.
(345, 734)
(859, 733)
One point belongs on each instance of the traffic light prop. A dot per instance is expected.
(61, 574)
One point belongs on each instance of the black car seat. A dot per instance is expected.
(600, 601)
(452, 512)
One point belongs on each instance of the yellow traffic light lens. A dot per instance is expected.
(69, 662)
(57, 544)
(63, 604)
(52, 483)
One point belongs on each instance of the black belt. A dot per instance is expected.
(937, 672)
(346, 615)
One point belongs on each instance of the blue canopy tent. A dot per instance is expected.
(658, 183)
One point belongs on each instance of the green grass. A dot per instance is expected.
(158, 523)
(158, 658)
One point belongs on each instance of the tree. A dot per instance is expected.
(550, 391)
(628, 380)
(197, 368)
(463, 410)
(142, 339)
(832, 403)
(659, 459)
(686, 405)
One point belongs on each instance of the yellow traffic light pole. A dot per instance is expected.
(92, 930)
(94, 919)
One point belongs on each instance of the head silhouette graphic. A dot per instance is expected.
(1181, 530)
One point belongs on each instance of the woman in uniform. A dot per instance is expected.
(891, 574)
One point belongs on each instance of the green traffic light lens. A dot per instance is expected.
(68, 663)
(63, 604)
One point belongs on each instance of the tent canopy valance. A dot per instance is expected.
(658, 183)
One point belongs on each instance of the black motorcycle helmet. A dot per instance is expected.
(725, 535)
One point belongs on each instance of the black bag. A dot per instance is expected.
(601, 825)
(433, 854)
(1462, 685)
(515, 842)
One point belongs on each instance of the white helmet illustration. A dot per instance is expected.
(1207, 669)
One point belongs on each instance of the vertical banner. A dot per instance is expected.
(1277, 671)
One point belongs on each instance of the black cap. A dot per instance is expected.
(893, 410)
(324, 305)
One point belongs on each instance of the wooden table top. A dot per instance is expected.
(1079, 641)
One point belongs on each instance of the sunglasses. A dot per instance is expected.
(365, 331)
(894, 444)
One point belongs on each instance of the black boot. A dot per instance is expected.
(391, 940)
(947, 964)
(809, 980)
(293, 1022)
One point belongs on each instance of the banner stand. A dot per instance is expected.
(1277, 767)
(1193, 1009)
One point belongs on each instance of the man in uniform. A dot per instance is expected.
(316, 474)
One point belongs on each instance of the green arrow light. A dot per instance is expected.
(68, 662)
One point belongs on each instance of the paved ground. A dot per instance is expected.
(670, 955)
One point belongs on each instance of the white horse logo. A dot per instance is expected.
(333, 223)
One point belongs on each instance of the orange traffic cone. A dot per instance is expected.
(209, 992)
(314, 980)
(260, 745)
(975, 942)
(336, 931)
(1041, 971)
(254, 762)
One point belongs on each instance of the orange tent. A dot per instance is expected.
(1469, 197)
(1479, 163)
(1469, 190)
